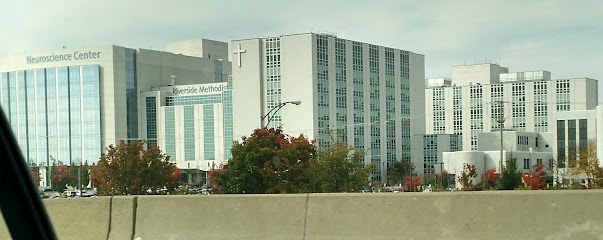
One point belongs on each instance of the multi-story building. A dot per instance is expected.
(69, 104)
(427, 156)
(370, 96)
(191, 123)
(478, 94)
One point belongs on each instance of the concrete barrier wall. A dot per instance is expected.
(457, 215)
(221, 217)
(86, 218)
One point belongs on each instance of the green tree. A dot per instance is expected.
(339, 168)
(265, 162)
(510, 177)
(128, 169)
(397, 170)
(85, 171)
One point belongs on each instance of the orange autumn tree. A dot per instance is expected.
(268, 161)
(410, 186)
(128, 169)
(60, 176)
(533, 179)
(466, 177)
(490, 177)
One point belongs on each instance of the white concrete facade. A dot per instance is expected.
(332, 78)
(202, 48)
(529, 101)
(527, 148)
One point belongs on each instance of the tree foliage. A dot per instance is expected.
(490, 177)
(338, 168)
(587, 163)
(410, 186)
(265, 162)
(85, 172)
(128, 169)
(268, 161)
(533, 179)
(442, 179)
(60, 176)
(466, 177)
(397, 170)
(510, 176)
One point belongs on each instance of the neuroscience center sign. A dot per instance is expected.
(77, 55)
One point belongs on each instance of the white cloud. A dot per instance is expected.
(561, 36)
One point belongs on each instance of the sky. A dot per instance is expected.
(563, 37)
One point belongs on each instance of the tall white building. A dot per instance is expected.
(470, 103)
(371, 96)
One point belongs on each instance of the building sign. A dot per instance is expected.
(199, 89)
(77, 55)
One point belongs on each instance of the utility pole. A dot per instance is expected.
(501, 124)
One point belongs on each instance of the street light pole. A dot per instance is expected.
(275, 109)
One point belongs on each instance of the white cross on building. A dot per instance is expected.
(238, 52)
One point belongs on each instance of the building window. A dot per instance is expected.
(540, 107)
(550, 164)
(151, 105)
(208, 133)
(561, 143)
(563, 95)
(519, 106)
(526, 163)
(430, 153)
(538, 161)
(476, 113)
(439, 111)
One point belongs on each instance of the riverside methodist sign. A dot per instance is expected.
(199, 89)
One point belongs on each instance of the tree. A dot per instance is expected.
(490, 177)
(265, 162)
(409, 185)
(587, 163)
(287, 172)
(85, 175)
(128, 169)
(397, 170)
(466, 177)
(533, 179)
(60, 176)
(338, 168)
(442, 179)
(510, 177)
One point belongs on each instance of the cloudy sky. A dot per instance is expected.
(564, 37)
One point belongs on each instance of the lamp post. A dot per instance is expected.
(274, 110)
